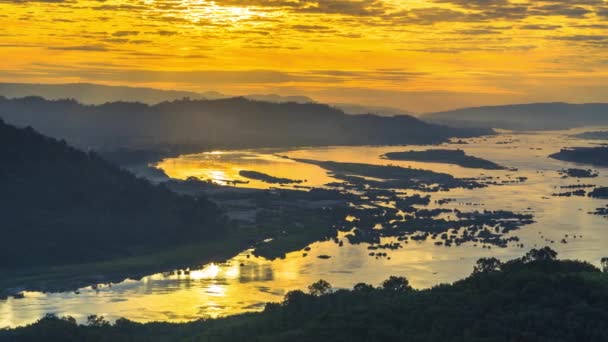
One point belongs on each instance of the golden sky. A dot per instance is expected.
(418, 55)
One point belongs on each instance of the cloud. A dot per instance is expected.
(27, 1)
(344, 7)
(92, 48)
(540, 27)
(125, 33)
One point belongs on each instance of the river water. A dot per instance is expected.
(244, 283)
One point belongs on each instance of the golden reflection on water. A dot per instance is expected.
(222, 167)
(245, 283)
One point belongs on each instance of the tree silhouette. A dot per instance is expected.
(320, 288)
(363, 288)
(543, 254)
(397, 284)
(486, 265)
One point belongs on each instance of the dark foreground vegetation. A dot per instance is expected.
(597, 156)
(456, 157)
(233, 122)
(61, 206)
(534, 298)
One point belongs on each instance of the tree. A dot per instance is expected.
(397, 284)
(543, 254)
(320, 288)
(363, 288)
(97, 321)
(295, 298)
(605, 265)
(487, 265)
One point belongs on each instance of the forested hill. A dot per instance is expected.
(61, 205)
(233, 122)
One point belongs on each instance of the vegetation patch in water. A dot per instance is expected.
(585, 155)
(393, 177)
(578, 173)
(601, 192)
(456, 157)
(266, 178)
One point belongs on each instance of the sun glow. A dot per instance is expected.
(418, 55)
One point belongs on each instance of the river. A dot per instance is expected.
(244, 283)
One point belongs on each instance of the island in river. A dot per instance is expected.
(597, 156)
(266, 178)
(456, 157)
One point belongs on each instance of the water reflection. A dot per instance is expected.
(245, 283)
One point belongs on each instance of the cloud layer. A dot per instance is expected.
(499, 49)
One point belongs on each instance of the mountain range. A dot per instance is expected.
(534, 116)
(88, 93)
(232, 122)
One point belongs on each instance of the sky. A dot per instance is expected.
(418, 55)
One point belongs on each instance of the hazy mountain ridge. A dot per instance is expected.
(233, 122)
(96, 94)
(534, 116)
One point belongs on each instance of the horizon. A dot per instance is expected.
(251, 97)
(421, 56)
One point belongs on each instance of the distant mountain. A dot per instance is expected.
(97, 94)
(61, 206)
(536, 116)
(277, 98)
(233, 122)
(88, 93)
(361, 109)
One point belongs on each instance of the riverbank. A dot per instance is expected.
(565, 300)
(72, 277)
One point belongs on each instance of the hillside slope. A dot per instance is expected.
(61, 205)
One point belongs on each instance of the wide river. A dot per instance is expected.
(245, 283)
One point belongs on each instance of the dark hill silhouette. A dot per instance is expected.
(233, 122)
(90, 93)
(97, 94)
(61, 205)
(534, 116)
